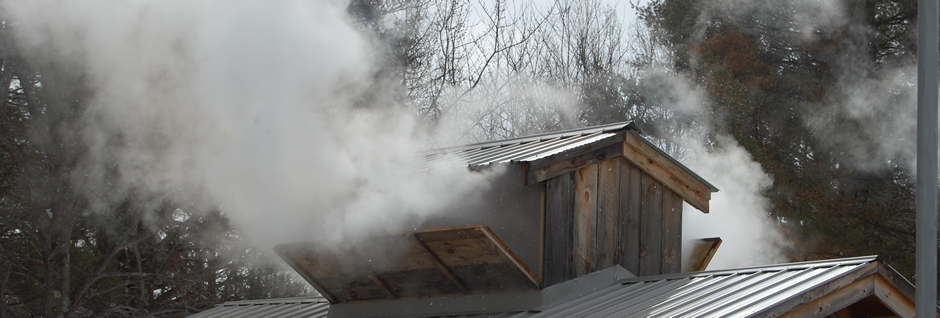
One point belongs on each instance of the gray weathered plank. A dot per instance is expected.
(672, 233)
(383, 285)
(675, 177)
(559, 222)
(631, 195)
(651, 225)
(585, 219)
(608, 214)
(436, 261)
(572, 160)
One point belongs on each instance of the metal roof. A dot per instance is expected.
(523, 149)
(728, 293)
(532, 148)
(309, 306)
(743, 292)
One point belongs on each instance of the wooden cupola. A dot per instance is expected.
(569, 204)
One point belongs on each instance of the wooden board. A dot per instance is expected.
(542, 234)
(666, 171)
(630, 203)
(893, 298)
(608, 214)
(651, 227)
(702, 252)
(869, 296)
(559, 222)
(427, 263)
(585, 219)
(573, 159)
(834, 301)
(672, 233)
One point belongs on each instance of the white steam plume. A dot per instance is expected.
(739, 212)
(248, 104)
(882, 111)
(875, 101)
(806, 16)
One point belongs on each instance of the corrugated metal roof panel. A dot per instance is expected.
(558, 134)
(735, 293)
(727, 293)
(531, 148)
(280, 307)
(528, 148)
(511, 314)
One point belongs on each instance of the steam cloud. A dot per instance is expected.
(252, 105)
(739, 211)
(805, 16)
(877, 102)
(880, 99)
(248, 104)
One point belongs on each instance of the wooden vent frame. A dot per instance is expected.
(427, 263)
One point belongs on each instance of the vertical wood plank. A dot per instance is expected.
(559, 222)
(585, 219)
(651, 225)
(608, 214)
(542, 232)
(672, 233)
(631, 195)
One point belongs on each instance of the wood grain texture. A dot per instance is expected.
(631, 198)
(436, 261)
(509, 257)
(542, 233)
(559, 222)
(702, 252)
(836, 300)
(894, 298)
(585, 219)
(291, 256)
(667, 172)
(608, 214)
(651, 225)
(425, 263)
(672, 232)
(568, 161)
(383, 285)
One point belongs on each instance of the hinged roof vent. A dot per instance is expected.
(427, 263)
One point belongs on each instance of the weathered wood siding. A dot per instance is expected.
(585, 219)
(610, 213)
(651, 226)
(558, 237)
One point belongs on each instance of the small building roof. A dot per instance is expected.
(309, 306)
(528, 148)
(549, 155)
(820, 288)
(757, 291)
